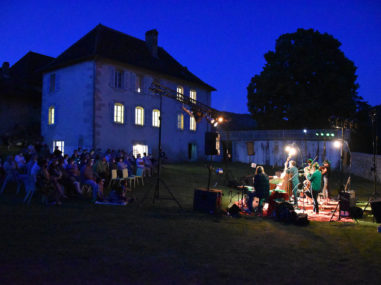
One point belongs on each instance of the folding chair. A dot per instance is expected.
(139, 175)
(130, 179)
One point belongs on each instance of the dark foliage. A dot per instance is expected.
(305, 80)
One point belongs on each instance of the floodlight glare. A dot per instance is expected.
(322, 134)
(287, 148)
(327, 134)
(337, 144)
(220, 119)
(215, 124)
(305, 131)
(317, 134)
(292, 151)
(332, 135)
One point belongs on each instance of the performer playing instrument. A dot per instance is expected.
(315, 179)
(326, 173)
(293, 172)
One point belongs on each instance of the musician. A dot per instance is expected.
(294, 179)
(326, 173)
(261, 186)
(308, 168)
(315, 179)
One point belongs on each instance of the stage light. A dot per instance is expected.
(317, 134)
(287, 148)
(322, 134)
(305, 131)
(337, 144)
(327, 134)
(215, 124)
(220, 119)
(292, 151)
(212, 121)
(332, 135)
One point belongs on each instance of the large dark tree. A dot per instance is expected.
(305, 80)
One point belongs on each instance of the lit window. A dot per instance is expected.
(192, 123)
(51, 115)
(138, 83)
(118, 113)
(52, 82)
(139, 116)
(139, 149)
(118, 79)
(60, 145)
(155, 118)
(193, 96)
(180, 93)
(180, 121)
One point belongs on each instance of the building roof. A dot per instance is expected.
(107, 43)
(27, 68)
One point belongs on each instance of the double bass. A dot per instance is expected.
(287, 184)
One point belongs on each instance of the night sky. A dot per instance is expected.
(222, 42)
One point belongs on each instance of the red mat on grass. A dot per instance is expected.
(326, 210)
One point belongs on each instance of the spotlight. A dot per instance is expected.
(317, 134)
(305, 131)
(212, 121)
(287, 148)
(322, 134)
(332, 135)
(327, 134)
(337, 144)
(215, 124)
(220, 119)
(292, 151)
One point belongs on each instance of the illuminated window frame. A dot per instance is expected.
(192, 123)
(118, 113)
(156, 118)
(193, 96)
(180, 121)
(180, 93)
(61, 146)
(51, 115)
(139, 116)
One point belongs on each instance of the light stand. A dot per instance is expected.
(373, 117)
(156, 195)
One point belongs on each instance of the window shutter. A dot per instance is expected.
(133, 81)
(125, 80)
(112, 77)
(111, 110)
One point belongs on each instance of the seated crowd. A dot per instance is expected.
(59, 176)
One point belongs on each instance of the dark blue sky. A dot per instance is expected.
(222, 42)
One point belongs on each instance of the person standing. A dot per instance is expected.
(315, 179)
(326, 173)
(294, 179)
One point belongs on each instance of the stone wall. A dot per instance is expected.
(362, 163)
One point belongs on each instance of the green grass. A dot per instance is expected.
(81, 243)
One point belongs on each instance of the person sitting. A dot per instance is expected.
(55, 175)
(101, 168)
(147, 165)
(89, 179)
(140, 162)
(11, 174)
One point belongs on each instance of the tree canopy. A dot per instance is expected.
(305, 80)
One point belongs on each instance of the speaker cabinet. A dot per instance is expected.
(207, 201)
(376, 209)
(212, 143)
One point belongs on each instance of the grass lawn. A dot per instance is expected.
(81, 243)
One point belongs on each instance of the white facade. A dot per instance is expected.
(84, 99)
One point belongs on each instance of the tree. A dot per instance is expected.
(305, 80)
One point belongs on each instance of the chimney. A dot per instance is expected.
(151, 41)
(5, 69)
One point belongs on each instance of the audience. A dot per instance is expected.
(59, 176)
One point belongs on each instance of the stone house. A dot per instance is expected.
(96, 95)
(20, 96)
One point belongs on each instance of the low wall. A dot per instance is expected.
(362, 164)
